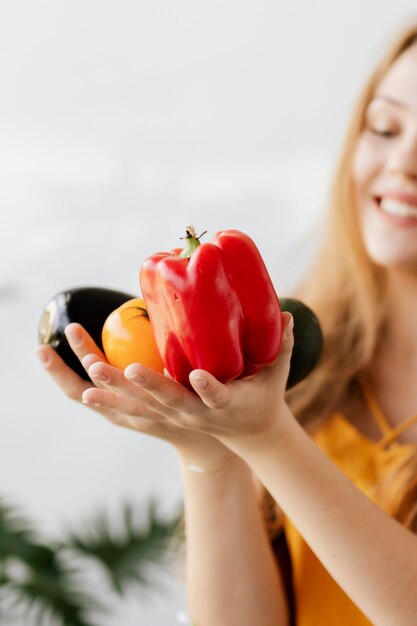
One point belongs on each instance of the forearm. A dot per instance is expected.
(371, 556)
(232, 576)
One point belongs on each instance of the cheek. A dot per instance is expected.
(365, 167)
(367, 161)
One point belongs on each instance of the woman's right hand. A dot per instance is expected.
(194, 448)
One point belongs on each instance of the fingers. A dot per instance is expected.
(280, 368)
(287, 334)
(70, 383)
(142, 394)
(74, 388)
(163, 389)
(108, 377)
(121, 404)
(213, 393)
(216, 395)
(82, 345)
(84, 348)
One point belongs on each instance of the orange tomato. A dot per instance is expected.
(128, 337)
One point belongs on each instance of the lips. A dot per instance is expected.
(395, 207)
(398, 206)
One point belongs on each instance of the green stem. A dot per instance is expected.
(143, 312)
(191, 242)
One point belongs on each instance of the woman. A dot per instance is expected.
(348, 489)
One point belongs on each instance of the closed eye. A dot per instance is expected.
(380, 132)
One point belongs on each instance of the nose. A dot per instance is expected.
(403, 160)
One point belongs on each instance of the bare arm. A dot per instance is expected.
(371, 556)
(232, 576)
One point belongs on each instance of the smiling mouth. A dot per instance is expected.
(396, 208)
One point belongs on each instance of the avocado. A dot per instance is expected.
(308, 340)
(89, 306)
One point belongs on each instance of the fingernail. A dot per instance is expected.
(289, 329)
(73, 334)
(103, 378)
(85, 400)
(136, 378)
(88, 360)
(42, 356)
(199, 382)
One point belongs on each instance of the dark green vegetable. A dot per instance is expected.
(308, 340)
(89, 306)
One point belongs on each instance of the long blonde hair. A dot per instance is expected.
(347, 291)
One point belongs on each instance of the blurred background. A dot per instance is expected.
(120, 124)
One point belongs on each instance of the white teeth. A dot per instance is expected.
(395, 207)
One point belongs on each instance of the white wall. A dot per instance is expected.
(121, 123)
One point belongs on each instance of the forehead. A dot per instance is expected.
(400, 82)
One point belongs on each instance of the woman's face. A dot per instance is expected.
(385, 167)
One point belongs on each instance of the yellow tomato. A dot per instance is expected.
(128, 337)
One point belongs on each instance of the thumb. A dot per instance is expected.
(212, 392)
(280, 368)
(287, 332)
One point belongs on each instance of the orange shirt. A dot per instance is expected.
(319, 599)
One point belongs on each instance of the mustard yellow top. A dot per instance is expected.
(319, 599)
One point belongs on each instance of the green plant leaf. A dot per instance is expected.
(45, 599)
(17, 539)
(42, 583)
(126, 554)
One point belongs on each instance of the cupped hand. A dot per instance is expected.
(124, 403)
(232, 413)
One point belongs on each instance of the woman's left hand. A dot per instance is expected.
(234, 412)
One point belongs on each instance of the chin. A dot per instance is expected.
(395, 262)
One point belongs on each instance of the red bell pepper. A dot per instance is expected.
(213, 307)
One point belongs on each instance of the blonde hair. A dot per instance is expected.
(347, 291)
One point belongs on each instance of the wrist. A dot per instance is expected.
(215, 466)
(272, 437)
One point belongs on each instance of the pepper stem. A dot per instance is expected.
(191, 242)
(143, 311)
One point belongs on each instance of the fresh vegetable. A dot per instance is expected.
(308, 340)
(89, 306)
(212, 306)
(93, 307)
(128, 337)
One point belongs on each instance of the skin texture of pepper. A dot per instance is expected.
(216, 310)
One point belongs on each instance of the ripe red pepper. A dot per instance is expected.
(213, 307)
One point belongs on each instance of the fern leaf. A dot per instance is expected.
(127, 554)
